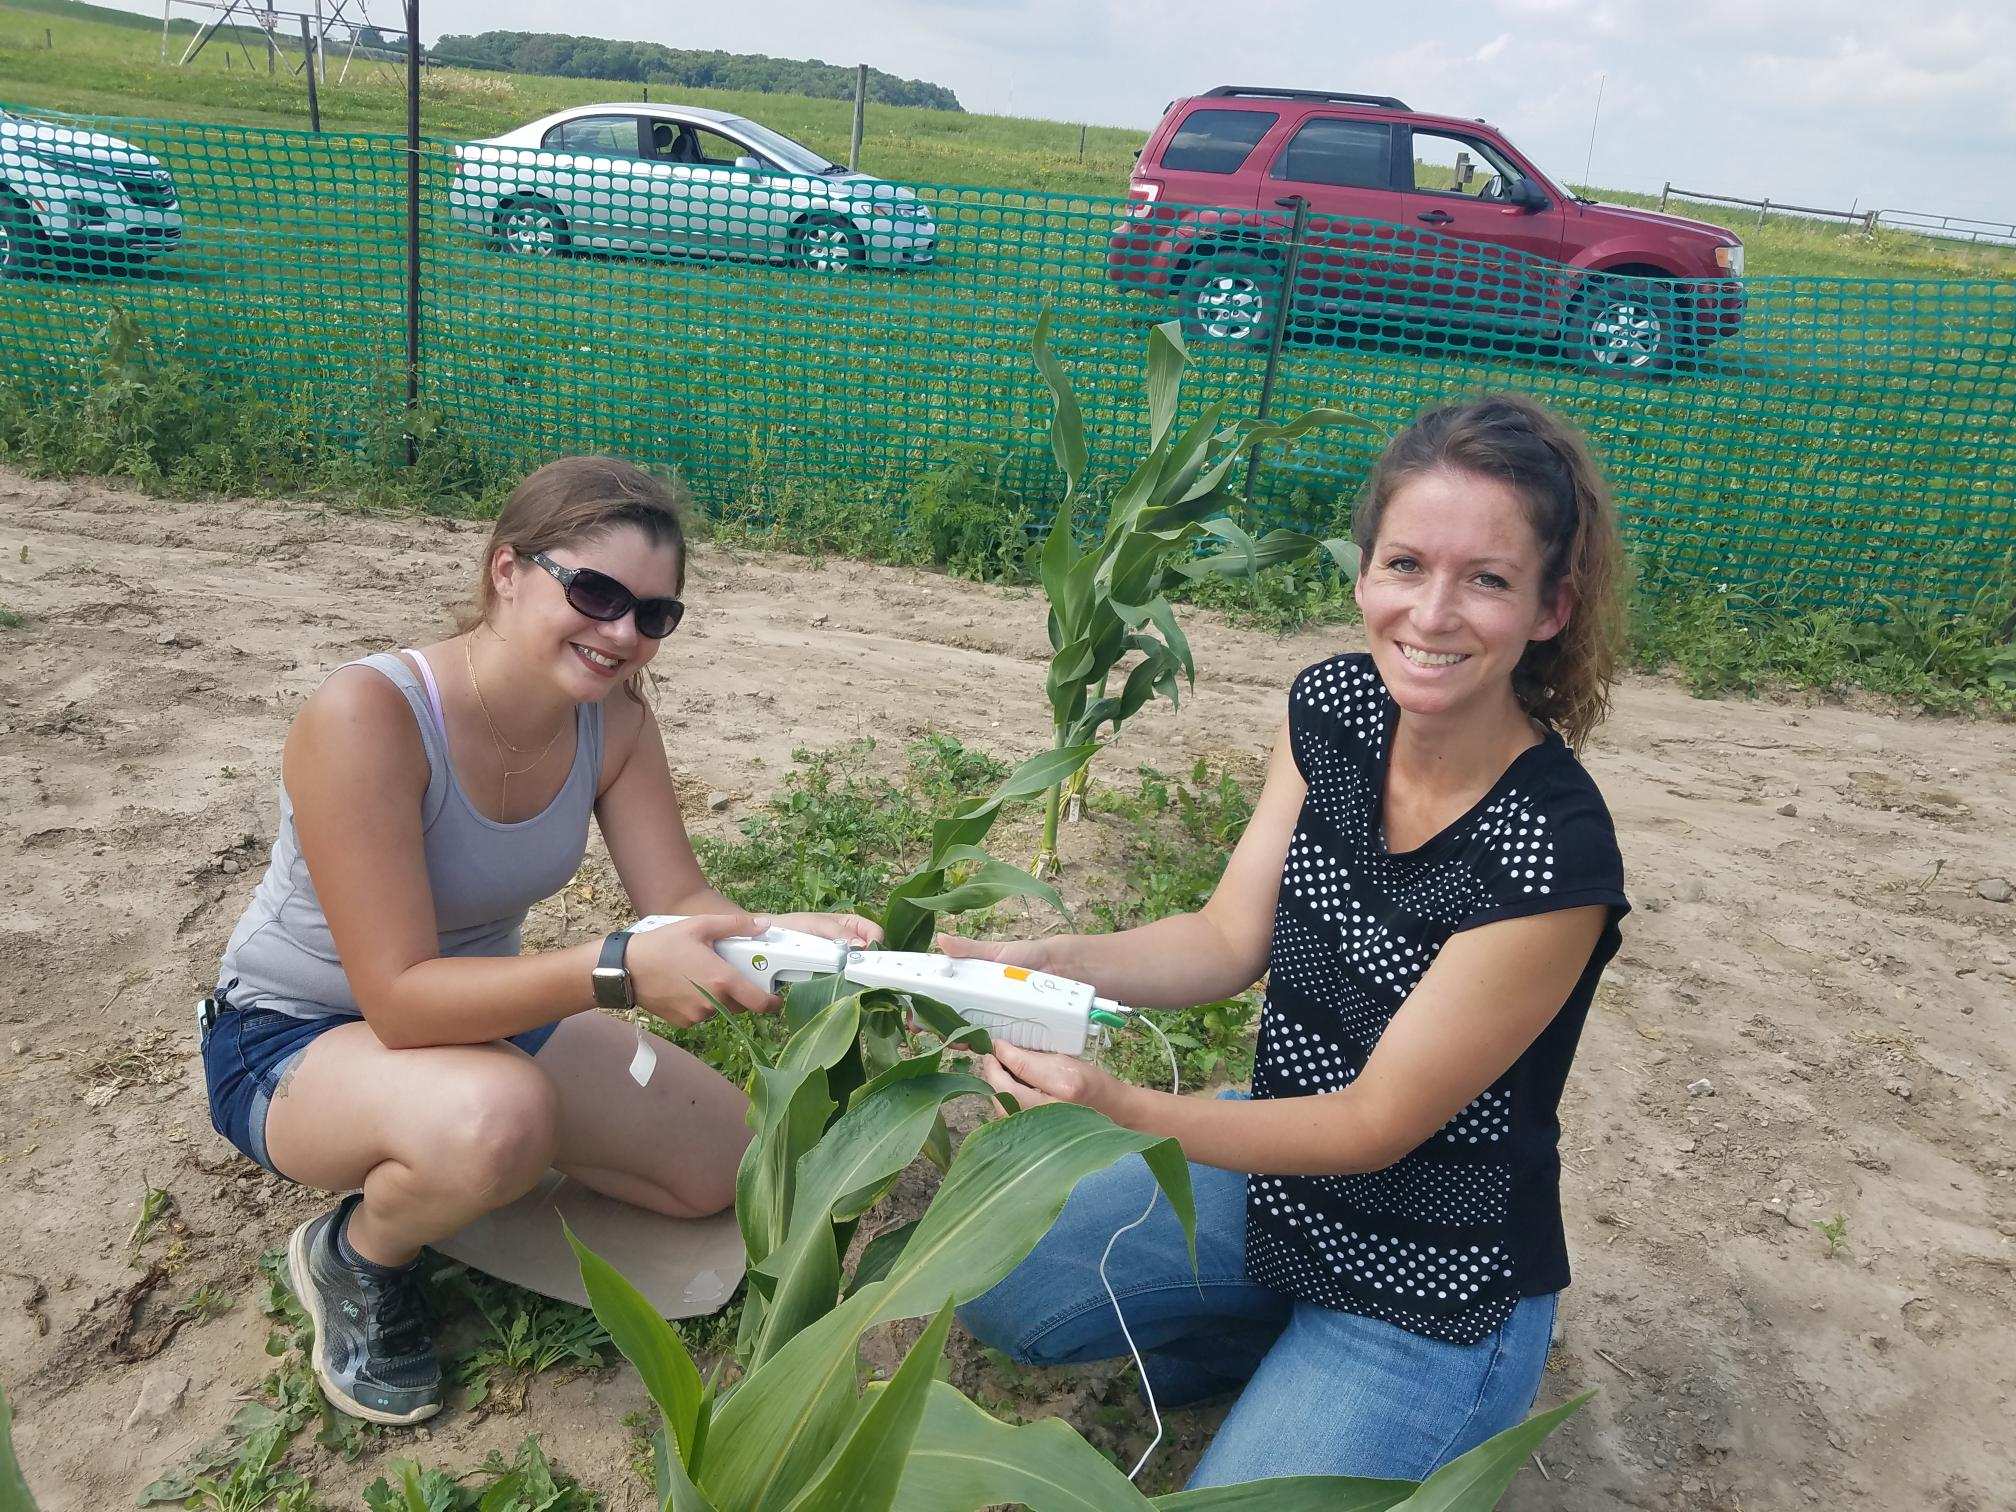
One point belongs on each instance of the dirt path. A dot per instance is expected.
(1810, 939)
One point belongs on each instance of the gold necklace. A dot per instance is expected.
(503, 745)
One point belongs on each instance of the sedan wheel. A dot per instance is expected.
(532, 231)
(826, 246)
(17, 240)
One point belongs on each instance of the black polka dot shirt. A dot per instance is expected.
(1445, 1241)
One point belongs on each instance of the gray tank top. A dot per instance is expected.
(484, 875)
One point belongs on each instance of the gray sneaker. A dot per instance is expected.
(374, 1340)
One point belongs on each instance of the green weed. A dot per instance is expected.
(204, 1303)
(523, 1335)
(1722, 639)
(528, 1482)
(154, 1204)
(1835, 1232)
(962, 516)
(9, 620)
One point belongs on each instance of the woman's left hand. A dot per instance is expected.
(1034, 1077)
(847, 927)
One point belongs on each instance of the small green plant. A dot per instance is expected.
(204, 1303)
(154, 1204)
(1108, 604)
(528, 1482)
(524, 1335)
(9, 620)
(1835, 1232)
(962, 516)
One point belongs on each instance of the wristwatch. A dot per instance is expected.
(613, 988)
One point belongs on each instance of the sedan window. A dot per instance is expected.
(598, 136)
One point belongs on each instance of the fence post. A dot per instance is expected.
(1664, 190)
(1763, 210)
(1081, 141)
(48, 40)
(271, 48)
(412, 224)
(1281, 318)
(308, 62)
(860, 116)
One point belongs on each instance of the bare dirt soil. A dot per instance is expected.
(1811, 938)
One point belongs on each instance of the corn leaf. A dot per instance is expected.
(963, 1460)
(991, 884)
(13, 1485)
(1167, 360)
(1004, 1189)
(1475, 1481)
(1067, 424)
(879, 1254)
(864, 1474)
(646, 1340)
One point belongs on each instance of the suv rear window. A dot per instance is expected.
(1216, 141)
(1349, 154)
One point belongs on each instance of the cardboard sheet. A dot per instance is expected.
(685, 1266)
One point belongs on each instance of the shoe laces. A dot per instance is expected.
(399, 1324)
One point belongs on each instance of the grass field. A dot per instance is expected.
(109, 62)
(1856, 433)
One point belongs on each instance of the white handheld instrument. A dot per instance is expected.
(1031, 1009)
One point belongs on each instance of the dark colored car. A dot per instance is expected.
(1423, 220)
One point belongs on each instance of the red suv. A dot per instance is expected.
(1422, 220)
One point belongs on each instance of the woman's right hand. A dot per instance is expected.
(1035, 955)
(669, 966)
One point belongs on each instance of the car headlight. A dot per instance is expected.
(1730, 259)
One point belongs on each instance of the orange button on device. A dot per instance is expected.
(1016, 973)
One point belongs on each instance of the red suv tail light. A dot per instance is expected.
(1143, 194)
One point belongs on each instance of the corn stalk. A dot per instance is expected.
(1107, 600)
(799, 1432)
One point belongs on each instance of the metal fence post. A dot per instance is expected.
(1664, 190)
(308, 61)
(1282, 315)
(412, 225)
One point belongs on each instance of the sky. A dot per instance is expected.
(1899, 104)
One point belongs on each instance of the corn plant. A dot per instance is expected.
(1107, 600)
(798, 1431)
(14, 1494)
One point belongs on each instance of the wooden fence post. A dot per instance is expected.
(860, 115)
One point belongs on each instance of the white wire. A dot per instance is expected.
(1154, 1196)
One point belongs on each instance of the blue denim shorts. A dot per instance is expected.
(249, 1050)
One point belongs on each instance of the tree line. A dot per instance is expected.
(653, 63)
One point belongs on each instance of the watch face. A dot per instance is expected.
(612, 987)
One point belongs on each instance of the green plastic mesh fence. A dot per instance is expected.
(761, 319)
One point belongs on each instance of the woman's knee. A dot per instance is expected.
(496, 1128)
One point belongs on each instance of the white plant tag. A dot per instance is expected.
(645, 1061)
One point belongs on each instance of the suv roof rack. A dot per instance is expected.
(1385, 102)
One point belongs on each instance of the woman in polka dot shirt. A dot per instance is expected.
(1431, 884)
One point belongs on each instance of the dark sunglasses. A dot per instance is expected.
(601, 597)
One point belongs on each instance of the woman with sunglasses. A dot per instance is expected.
(378, 1031)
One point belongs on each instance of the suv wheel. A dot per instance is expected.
(532, 228)
(826, 244)
(1628, 330)
(1232, 298)
(20, 239)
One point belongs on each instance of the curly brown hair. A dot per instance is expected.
(1564, 681)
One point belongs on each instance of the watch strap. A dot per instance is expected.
(613, 988)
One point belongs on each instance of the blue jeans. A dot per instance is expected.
(1321, 1392)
